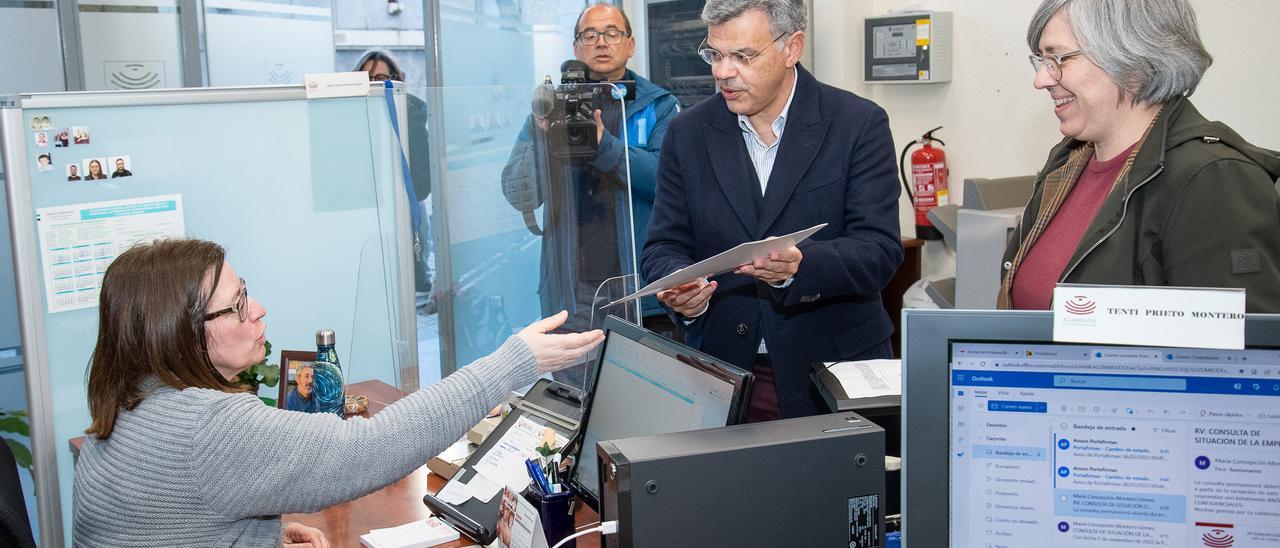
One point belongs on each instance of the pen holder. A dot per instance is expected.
(556, 514)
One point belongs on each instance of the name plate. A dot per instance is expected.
(336, 84)
(1149, 316)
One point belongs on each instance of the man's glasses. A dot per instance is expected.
(240, 306)
(738, 59)
(1052, 62)
(611, 37)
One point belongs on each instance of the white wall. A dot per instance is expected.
(996, 124)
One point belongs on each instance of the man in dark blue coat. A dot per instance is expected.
(774, 152)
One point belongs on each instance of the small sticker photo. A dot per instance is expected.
(35, 122)
(42, 139)
(120, 166)
(62, 137)
(80, 135)
(45, 123)
(44, 162)
(94, 169)
(73, 172)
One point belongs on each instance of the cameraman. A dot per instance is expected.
(582, 239)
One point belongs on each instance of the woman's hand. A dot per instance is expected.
(556, 351)
(297, 535)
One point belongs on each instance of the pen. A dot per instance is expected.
(529, 467)
(542, 478)
(539, 478)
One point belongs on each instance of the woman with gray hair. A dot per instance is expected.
(1143, 190)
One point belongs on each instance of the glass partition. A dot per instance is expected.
(532, 212)
(151, 57)
(305, 195)
(257, 42)
(13, 386)
(30, 28)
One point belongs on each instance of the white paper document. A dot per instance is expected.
(479, 487)
(726, 261)
(504, 465)
(78, 241)
(868, 378)
(415, 534)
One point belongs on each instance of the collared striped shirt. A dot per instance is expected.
(762, 155)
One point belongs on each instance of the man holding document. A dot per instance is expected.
(773, 153)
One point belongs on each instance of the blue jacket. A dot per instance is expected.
(835, 165)
(647, 119)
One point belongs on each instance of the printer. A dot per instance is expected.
(811, 481)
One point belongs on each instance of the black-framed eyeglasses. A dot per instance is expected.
(240, 306)
(612, 37)
(736, 58)
(1052, 62)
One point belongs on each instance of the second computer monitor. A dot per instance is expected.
(645, 385)
(1096, 445)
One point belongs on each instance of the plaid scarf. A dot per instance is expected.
(1057, 186)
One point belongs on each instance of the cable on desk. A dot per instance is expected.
(606, 528)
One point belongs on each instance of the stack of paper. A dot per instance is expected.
(860, 384)
(415, 534)
(868, 378)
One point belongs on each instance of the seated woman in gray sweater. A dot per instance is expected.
(179, 455)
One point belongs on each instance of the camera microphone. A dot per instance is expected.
(544, 99)
(573, 71)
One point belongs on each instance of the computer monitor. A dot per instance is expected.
(646, 384)
(928, 337)
(1092, 445)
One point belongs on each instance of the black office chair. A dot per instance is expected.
(15, 527)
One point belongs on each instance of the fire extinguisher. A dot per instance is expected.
(928, 185)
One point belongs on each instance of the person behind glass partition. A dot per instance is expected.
(583, 213)
(178, 454)
(1142, 190)
(382, 66)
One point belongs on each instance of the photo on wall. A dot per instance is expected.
(44, 162)
(120, 166)
(94, 168)
(62, 138)
(73, 172)
(42, 140)
(80, 135)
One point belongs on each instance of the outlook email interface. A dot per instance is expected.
(1080, 445)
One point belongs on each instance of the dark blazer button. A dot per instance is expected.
(742, 329)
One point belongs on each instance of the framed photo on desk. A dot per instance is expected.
(295, 368)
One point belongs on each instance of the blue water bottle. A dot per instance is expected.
(328, 391)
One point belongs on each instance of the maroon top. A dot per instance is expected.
(1042, 267)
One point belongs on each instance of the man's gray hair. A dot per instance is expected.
(785, 16)
(1151, 49)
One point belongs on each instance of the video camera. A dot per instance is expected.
(571, 132)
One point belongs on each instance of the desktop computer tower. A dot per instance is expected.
(812, 481)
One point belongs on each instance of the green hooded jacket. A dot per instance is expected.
(1199, 208)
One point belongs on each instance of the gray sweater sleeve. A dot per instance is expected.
(262, 461)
